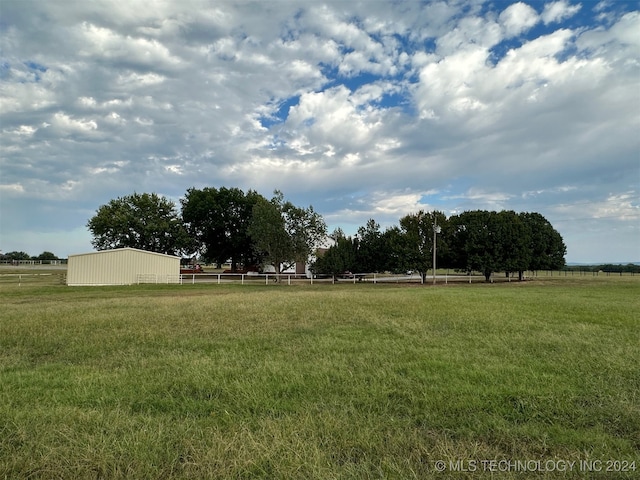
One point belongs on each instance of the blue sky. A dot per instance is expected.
(361, 109)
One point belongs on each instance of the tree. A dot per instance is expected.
(370, 248)
(145, 221)
(492, 241)
(546, 246)
(283, 233)
(393, 250)
(17, 256)
(512, 238)
(339, 258)
(474, 241)
(47, 256)
(417, 244)
(218, 220)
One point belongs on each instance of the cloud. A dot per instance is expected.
(12, 188)
(518, 18)
(558, 11)
(103, 44)
(360, 109)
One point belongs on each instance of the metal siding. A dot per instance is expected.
(120, 267)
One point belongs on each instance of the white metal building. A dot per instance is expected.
(122, 266)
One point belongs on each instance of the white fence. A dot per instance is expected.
(442, 277)
(289, 279)
(15, 263)
(155, 278)
(29, 277)
(36, 279)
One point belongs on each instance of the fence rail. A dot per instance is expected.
(33, 278)
(155, 278)
(440, 277)
(14, 263)
(375, 278)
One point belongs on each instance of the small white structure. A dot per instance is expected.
(122, 266)
(303, 268)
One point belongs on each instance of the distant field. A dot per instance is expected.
(341, 381)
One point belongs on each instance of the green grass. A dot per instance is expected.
(344, 381)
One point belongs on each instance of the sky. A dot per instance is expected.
(362, 109)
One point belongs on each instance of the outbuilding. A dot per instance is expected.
(122, 266)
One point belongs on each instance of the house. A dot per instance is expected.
(299, 268)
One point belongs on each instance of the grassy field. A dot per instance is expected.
(339, 381)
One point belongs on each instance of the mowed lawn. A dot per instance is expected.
(322, 381)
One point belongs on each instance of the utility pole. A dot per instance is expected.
(436, 229)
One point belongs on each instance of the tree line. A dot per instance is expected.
(216, 225)
(22, 256)
(247, 229)
(605, 267)
(478, 240)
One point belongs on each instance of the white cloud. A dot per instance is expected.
(518, 18)
(622, 206)
(396, 204)
(473, 33)
(356, 108)
(623, 35)
(12, 188)
(139, 80)
(558, 11)
(65, 124)
(103, 43)
(23, 97)
(332, 117)
(23, 131)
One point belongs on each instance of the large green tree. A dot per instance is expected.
(371, 249)
(284, 234)
(512, 237)
(46, 255)
(546, 246)
(18, 256)
(142, 220)
(475, 242)
(417, 240)
(505, 241)
(218, 220)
